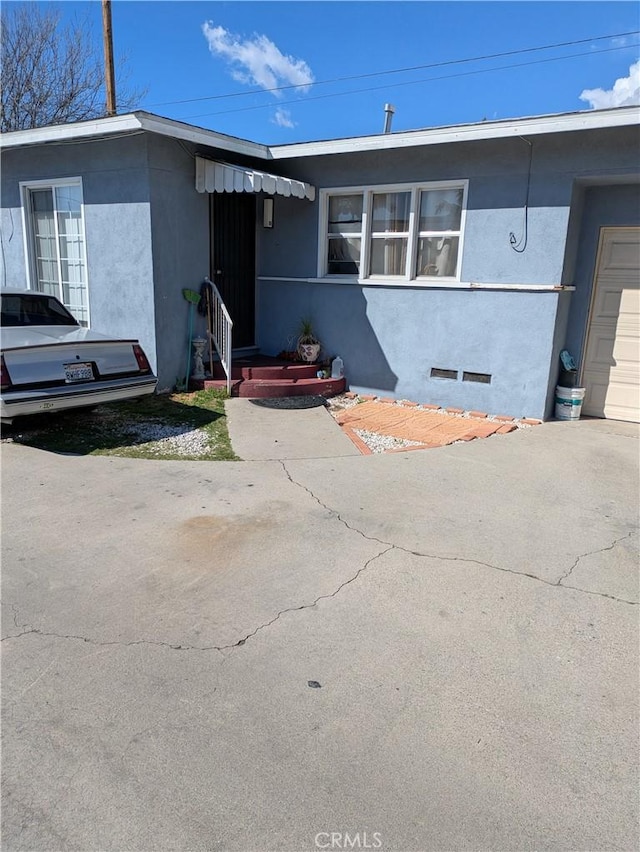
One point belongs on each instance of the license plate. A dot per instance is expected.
(80, 372)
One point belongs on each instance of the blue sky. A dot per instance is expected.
(189, 50)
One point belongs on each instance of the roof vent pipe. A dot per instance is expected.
(389, 110)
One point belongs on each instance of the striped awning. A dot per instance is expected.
(212, 176)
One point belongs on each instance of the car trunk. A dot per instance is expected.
(51, 357)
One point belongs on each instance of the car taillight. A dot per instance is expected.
(5, 378)
(141, 358)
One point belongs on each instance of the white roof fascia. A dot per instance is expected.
(200, 136)
(561, 123)
(68, 132)
(142, 121)
(131, 123)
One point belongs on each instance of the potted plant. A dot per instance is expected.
(308, 345)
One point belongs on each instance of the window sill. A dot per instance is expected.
(421, 284)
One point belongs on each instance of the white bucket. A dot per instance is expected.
(569, 403)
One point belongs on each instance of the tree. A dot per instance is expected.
(52, 73)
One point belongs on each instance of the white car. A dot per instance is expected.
(50, 362)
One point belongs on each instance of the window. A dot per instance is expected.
(439, 232)
(398, 232)
(54, 234)
(24, 310)
(345, 234)
(389, 232)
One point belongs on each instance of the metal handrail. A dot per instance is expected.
(221, 331)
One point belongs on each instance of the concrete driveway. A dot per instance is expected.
(433, 651)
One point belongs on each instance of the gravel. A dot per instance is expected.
(383, 443)
(157, 437)
(161, 438)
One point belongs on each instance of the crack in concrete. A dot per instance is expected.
(311, 605)
(554, 584)
(592, 553)
(388, 547)
(337, 515)
(597, 594)
(180, 647)
(89, 641)
(635, 437)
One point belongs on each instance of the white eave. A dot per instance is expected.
(131, 123)
(212, 176)
(561, 123)
(139, 122)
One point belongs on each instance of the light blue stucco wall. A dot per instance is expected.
(497, 175)
(181, 237)
(390, 337)
(180, 232)
(391, 352)
(117, 227)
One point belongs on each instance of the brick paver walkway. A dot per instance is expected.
(430, 428)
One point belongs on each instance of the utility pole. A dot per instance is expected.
(109, 73)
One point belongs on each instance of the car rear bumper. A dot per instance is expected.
(20, 403)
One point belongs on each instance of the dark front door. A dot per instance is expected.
(233, 260)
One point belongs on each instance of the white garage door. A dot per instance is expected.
(611, 372)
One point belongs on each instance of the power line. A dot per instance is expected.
(404, 70)
(406, 83)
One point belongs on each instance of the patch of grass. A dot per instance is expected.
(175, 426)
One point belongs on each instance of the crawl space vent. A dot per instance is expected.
(482, 378)
(437, 373)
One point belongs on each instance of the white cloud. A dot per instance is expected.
(257, 60)
(283, 118)
(620, 41)
(625, 92)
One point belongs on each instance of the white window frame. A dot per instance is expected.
(323, 256)
(29, 239)
(410, 276)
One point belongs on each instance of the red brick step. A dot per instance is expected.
(264, 367)
(263, 377)
(272, 388)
